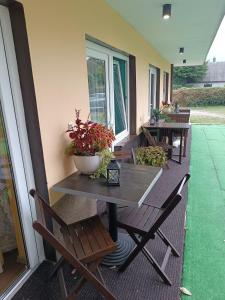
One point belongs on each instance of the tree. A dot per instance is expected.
(185, 75)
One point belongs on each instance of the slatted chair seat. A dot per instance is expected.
(139, 220)
(142, 224)
(165, 146)
(88, 240)
(82, 245)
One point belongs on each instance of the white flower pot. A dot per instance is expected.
(87, 164)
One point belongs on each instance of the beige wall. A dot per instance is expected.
(56, 33)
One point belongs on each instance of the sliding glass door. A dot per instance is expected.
(20, 248)
(13, 258)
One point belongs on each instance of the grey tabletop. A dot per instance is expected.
(167, 125)
(136, 181)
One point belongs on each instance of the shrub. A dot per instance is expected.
(152, 156)
(199, 96)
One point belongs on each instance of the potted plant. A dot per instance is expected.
(152, 156)
(89, 140)
(160, 115)
(156, 114)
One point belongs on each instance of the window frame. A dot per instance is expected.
(98, 51)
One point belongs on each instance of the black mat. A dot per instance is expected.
(139, 281)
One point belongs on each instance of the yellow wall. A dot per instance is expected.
(56, 33)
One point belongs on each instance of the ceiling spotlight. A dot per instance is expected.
(181, 51)
(166, 11)
(184, 61)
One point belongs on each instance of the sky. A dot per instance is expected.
(218, 46)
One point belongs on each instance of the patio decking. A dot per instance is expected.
(139, 281)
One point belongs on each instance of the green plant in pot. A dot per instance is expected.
(152, 156)
(107, 156)
(89, 145)
(156, 114)
(160, 114)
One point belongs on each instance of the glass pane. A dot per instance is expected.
(120, 104)
(164, 87)
(13, 259)
(153, 90)
(123, 76)
(97, 89)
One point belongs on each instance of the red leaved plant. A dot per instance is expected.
(88, 137)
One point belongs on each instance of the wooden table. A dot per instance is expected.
(180, 128)
(136, 182)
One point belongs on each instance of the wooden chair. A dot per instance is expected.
(144, 223)
(83, 245)
(179, 117)
(152, 142)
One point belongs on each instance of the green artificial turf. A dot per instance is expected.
(204, 255)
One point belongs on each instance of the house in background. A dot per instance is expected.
(108, 57)
(215, 76)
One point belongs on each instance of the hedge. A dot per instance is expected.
(199, 96)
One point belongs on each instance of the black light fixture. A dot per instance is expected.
(113, 173)
(166, 11)
(184, 61)
(181, 51)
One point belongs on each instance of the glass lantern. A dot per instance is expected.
(113, 173)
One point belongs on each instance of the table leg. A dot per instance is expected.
(170, 151)
(181, 142)
(185, 143)
(124, 243)
(113, 221)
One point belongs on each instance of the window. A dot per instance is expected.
(207, 84)
(108, 88)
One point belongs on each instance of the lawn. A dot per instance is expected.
(208, 115)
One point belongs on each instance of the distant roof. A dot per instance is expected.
(215, 73)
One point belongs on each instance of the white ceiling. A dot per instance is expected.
(193, 25)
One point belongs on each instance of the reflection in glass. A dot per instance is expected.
(97, 89)
(13, 261)
(119, 98)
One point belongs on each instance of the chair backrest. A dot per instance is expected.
(180, 118)
(43, 209)
(150, 139)
(41, 228)
(169, 205)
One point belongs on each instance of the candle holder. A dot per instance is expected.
(113, 173)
